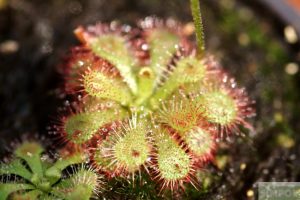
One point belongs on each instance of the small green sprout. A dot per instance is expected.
(31, 174)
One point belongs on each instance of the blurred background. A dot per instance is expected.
(257, 41)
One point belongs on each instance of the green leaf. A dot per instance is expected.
(55, 171)
(31, 153)
(200, 141)
(80, 186)
(131, 147)
(162, 49)
(15, 167)
(146, 80)
(113, 48)
(100, 85)
(220, 107)
(31, 195)
(188, 70)
(49, 197)
(182, 114)
(82, 127)
(7, 188)
(173, 162)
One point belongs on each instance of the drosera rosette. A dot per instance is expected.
(149, 101)
(32, 174)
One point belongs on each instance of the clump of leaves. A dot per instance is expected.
(31, 174)
(149, 101)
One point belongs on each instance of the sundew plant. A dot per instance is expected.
(32, 174)
(147, 102)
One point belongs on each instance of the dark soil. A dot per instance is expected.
(247, 42)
